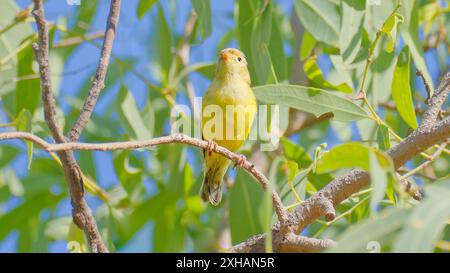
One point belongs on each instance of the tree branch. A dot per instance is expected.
(81, 213)
(99, 81)
(426, 135)
(132, 145)
(78, 40)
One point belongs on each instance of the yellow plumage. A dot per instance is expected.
(230, 94)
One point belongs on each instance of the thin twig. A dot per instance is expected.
(132, 145)
(99, 80)
(81, 213)
(427, 162)
(419, 73)
(78, 40)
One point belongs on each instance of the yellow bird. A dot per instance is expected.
(228, 110)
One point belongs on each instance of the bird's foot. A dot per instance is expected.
(240, 162)
(211, 146)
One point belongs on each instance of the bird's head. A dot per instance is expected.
(232, 62)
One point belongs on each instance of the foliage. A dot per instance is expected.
(157, 189)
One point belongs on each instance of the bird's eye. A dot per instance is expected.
(239, 59)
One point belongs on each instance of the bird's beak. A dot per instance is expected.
(223, 56)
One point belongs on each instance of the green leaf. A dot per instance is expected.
(193, 202)
(382, 71)
(383, 140)
(401, 89)
(277, 54)
(10, 40)
(32, 206)
(24, 123)
(259, 43)
(58, 229)
(129, 173)
(428, 14)
(370, 232)
(244, 23)
(426, 222)
(76, 240)
(308, 44)
(352, 20)
(130, 117)
(311, 100)
(162, 47)
(296, 153)
(27, 90)
(390, 29)
(7, 154)
(292, 170)
(410, 34)
(314, 73)
(144, 6)
(320, 18)
(349, 155)
(128, 225)
(244, 205)
(203, 10)
(207, 70)
(378, 181)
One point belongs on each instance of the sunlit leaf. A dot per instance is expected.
(383, 140)
(144, 6)
(389, 28)
(349, 155)
(308, 44)
(314, 73)
(401, 89)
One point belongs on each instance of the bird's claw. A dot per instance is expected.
(211, 146)
(240, 162)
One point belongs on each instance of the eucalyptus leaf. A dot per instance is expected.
(371, 232)
(24, 123)
(321, 19)
(352, 19)
(314, 73)
(350, 155)
(203, 10)
(309, 99)
(144, 6)
(401, 89)
(245, 200)
(425, 223)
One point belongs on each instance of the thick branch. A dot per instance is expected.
(82, 214)
(429, 133)
(99, 81)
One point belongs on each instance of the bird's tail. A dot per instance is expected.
(212, 185)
